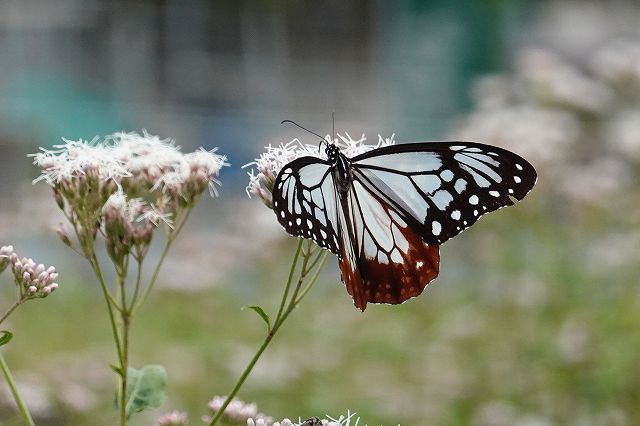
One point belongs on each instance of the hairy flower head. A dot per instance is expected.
(265, 168)
(125, 186)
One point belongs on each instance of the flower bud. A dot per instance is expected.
(32, 289)
(39, 269)
(59, 198)
(63, 235)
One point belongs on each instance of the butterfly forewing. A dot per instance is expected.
(305, 202)
(441, 188)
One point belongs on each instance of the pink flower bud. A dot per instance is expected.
(39, 269)
(33, 289)
(26, 276)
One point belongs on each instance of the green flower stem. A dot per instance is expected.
(170, 239)
(14, 390)
(283, 312)
(105, 291)
(11, 309)
(124, 363)
(289, 280)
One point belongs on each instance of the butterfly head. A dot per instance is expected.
(332, 152)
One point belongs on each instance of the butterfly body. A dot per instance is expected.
(385, 213)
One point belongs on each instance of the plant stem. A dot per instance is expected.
(291, 272)
(170, 239)
(105, 291)
(11, 309)
(14, 390)
(124, 362)
(283, 313)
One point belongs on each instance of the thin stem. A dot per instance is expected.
(170, 239)
(136, 290)
(314, 278)
(291, 272)
(14, 390)
(283, 313)
(105, 291)
(11, 309)
(124, 362)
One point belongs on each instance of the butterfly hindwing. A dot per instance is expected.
(441, 188)
(385, 261)
(305, 203)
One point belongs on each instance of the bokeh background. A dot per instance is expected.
(535, 318)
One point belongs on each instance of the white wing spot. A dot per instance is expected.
(275, 203)
(298, 221)
(494, 193)
(419, 264)
(396, 257)
(282, 214)
(475, 212)
(324, 234)
(446, 175)
(460, 185)
(517, 179)
(436, 228)
(518, 166)
(309, 224)
(510, 191)
(457, 147)
(290, 223)
(455, 215)
(473, 199)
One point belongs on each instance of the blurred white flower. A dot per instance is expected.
(238, 411)
(541, 135)
(262, 175)
(624, 132)
(572, 340)
(618, 62)
(173, 418)
(551, 80)
(596, 182)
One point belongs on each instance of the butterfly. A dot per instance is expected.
(386, 212)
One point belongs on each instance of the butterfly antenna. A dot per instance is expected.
(307, 130)
(333, 124)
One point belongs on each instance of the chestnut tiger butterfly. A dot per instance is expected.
(386, 212)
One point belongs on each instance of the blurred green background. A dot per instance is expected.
(535, 316)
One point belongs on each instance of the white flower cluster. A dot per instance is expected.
(32, 279)
(346, 420)
(265, 168)
(173, 418)
(140, 162)
(238, 411)
(125, 185)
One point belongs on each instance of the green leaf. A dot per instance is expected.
(6, 337)
(262, 314)
(145, 388)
